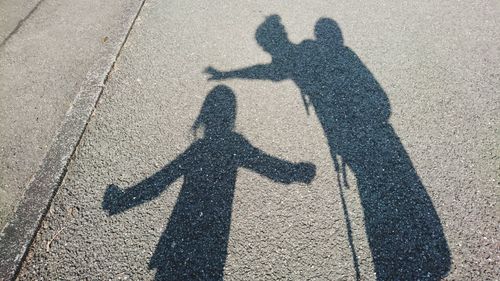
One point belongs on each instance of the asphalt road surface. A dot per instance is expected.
(290, 140)
(46, 50)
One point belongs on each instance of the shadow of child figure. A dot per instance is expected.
(404, 231)
(194, 244)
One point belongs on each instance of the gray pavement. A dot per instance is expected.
(42, 67)
(13, 14)
(423, 182)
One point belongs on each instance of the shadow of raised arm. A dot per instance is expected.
(274, 168)
(117, 200)
(258, 72)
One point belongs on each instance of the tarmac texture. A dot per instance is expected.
(13, 14)
(42, 66)
(288, 141)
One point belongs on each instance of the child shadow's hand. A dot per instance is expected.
(112, 201)
(304, 172)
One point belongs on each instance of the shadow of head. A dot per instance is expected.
(328, 32)
(271, 35)
(218, 113)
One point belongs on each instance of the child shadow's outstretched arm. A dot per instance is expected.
(274, 168)
(117, 200)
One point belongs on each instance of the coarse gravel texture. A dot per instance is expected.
(437, 64)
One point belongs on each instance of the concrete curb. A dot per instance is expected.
(17, 236)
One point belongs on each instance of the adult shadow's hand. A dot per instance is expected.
(113, 200)
(304, 172)
(214, 74)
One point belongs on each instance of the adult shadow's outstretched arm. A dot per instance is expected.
(257, 72)
(117, 200)
(276, 169)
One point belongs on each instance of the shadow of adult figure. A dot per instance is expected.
(194, 243)
(403, 229)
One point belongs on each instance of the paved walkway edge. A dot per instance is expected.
(17, 236)
(20, 23)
